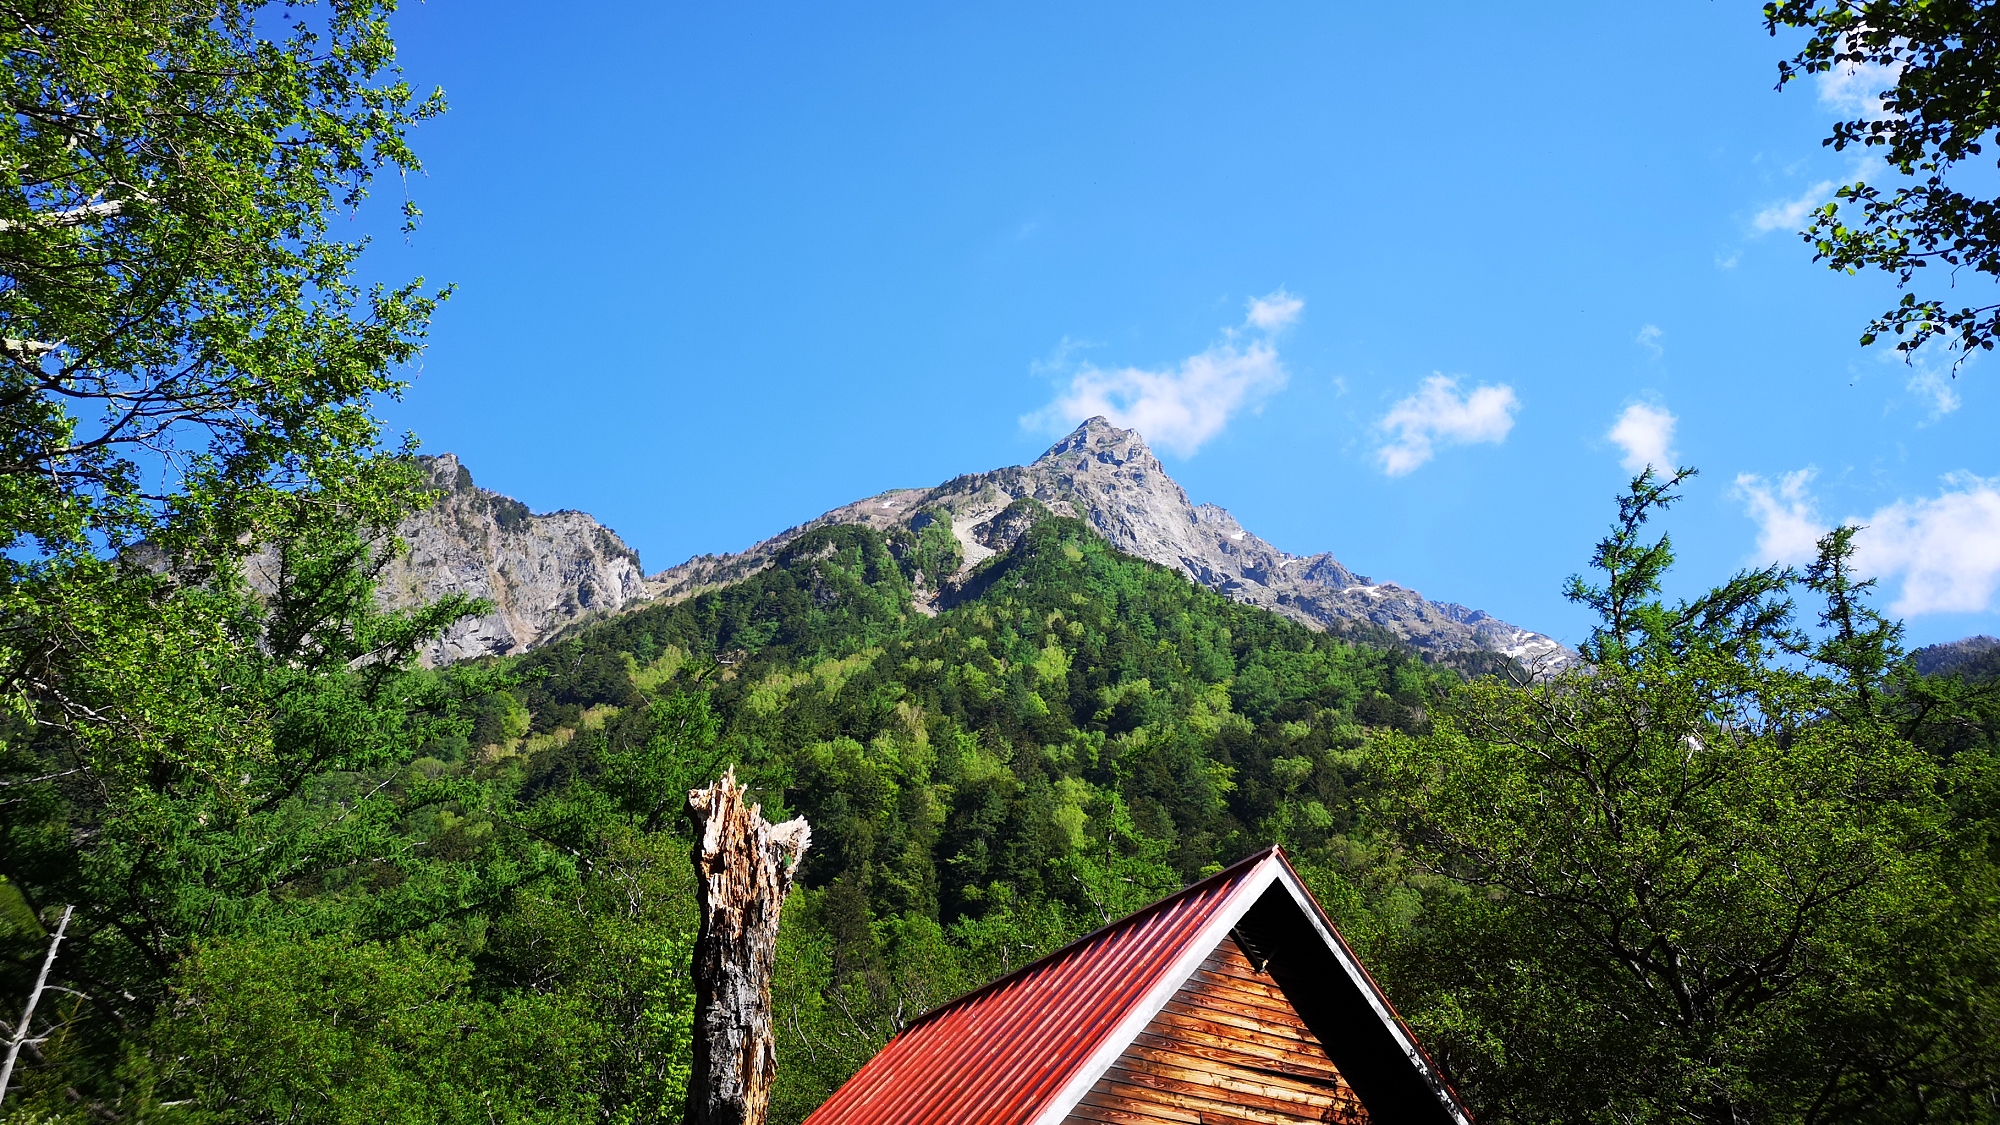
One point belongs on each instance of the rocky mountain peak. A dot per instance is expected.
(1108, 477)
(1098, 440)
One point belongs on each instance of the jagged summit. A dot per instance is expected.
(1117, 484)
(541, 572)
(553, 574)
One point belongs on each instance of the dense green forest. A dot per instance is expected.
(1077, 734)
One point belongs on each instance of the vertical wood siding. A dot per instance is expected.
(1228, 1049)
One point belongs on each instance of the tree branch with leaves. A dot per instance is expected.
(1938, 66)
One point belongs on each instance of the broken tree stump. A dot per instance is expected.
(745, 866)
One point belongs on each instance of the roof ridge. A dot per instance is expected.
(1132, 919)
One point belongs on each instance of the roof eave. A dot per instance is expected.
(1269, 868)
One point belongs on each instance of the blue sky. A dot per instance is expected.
(1380, 279)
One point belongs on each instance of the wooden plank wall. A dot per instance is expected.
(1228, 1049)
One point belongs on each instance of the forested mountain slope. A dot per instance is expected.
(452, 892)
(1970, 656)
(463, 894)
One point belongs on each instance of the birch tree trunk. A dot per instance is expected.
(745, 866)
(21, 1032)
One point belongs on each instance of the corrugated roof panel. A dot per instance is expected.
(996, 1056)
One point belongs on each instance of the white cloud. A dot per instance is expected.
(1649, 339)
(1937, 386)
(1438, 413)
(1857, 89)
(1646, 434)
(1944, 550)
(1790, 215)
(1182, 408)
(1930, 376)
(1788, 525)
(1274, 310)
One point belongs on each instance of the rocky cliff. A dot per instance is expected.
(541, 572)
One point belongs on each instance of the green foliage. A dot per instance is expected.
(203, 723)
(1938, 65)
(928, 550)
(1734, 869)
(1716, 876)
(173, 309)
(280, 1027)
(1656, 888)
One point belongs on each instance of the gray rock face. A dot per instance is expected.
(542, 572)
(1109, 478)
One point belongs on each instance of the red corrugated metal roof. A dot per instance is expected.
(1001, 1055)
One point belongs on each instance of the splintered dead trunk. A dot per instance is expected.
(745, 866)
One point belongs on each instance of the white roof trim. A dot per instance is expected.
(1367, 986)
(1140, 1014)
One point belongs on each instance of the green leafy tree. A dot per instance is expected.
(1934, 68)
(201, 714)
(284, 1027)
(1709, 876)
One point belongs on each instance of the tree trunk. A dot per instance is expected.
(21, 1032)
(745, 865)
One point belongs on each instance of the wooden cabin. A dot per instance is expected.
(1234, 1002)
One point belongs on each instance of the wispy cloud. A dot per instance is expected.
(1928, 382)
(1274, 310)
(1649, 339)
(1646, 434)
(1791, 214)
(1439, 414)
(1944, 550)
(1930, 377)
(1854, 92)
(1181, 408)
(1788, 524)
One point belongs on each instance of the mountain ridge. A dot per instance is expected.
(1109, 478)
(575, 571)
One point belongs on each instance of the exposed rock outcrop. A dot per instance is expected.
(541, 572)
